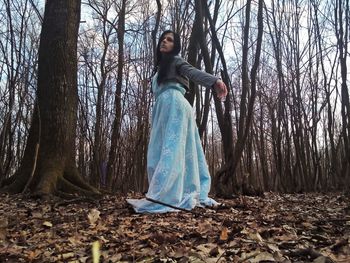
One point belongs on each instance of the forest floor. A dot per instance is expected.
(271, 228)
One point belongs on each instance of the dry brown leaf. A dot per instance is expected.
(33, 254)
(37, 214)
(257, 256)
(224, 234)
(307, 224)
(206, 248)
(75, 240)
(256, 237)
(3, 229)
(3, 222)
(273, 247)
(204, 227)
(264, 256)
(63, 256)
(179, 252)
(321, 259)
(93, 216)
(47, 224)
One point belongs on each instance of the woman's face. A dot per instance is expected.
(167, 43)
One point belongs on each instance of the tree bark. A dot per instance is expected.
(112, 158)
(342, 33)
(155, 31)
(198, 39)
(193, 48)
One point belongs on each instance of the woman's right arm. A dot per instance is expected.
(194, 74)
(202, 78)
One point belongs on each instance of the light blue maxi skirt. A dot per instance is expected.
(177, 170)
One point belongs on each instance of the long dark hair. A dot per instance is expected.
(163, 61)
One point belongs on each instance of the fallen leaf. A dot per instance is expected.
(321, 259)
(64, 256)
(264, 256)
(206, 248)
(224, 234)
(93, 216)
(33, 254)
(3, 228)
(308, 225)
(47, 224)
(273, 247)
(256, 237)
(75, 240)
(3, 222)
(257, 256)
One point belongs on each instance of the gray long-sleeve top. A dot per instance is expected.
(180, 71)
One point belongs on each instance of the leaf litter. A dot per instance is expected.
(274, 227)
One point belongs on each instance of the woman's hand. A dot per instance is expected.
(220, 88)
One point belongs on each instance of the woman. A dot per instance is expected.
(177, 170)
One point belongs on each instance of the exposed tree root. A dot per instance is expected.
(45, 188)
(50, 179)
(224, 189)
(40, 195)
(67, 187)
(29, 181)
(72, 175)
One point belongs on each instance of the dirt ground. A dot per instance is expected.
(271, 228)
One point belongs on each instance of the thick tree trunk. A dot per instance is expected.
(48, 166)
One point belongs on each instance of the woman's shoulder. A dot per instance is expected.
(179, 60)
(177, 57)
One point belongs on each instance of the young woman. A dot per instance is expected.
(177, 170)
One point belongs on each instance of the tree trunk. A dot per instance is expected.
(198, 38)
(155, 30)
(112, 158)
(193, 48)
(48, 166)
(332, 163)
(232, 158)
(224, 119)
(342, 32)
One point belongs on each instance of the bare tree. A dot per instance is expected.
(48, 165)
(18, 55)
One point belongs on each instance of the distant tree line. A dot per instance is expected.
(284, 126)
